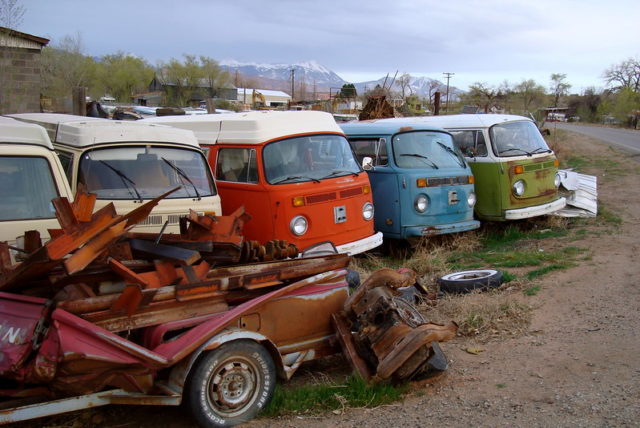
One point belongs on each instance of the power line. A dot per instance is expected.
(448, 76)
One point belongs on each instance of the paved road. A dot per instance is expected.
(626, 139)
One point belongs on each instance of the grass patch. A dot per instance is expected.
(544, 270)
(606, 216)
(314, 399)
(500, 385)
(483, 315)
(533, 290)
(508, 277)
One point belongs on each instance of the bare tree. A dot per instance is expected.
(624, 75)
(11, 13)
(559, 87)
(64, 66)
(404, 82)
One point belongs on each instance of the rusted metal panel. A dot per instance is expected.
(388, 334)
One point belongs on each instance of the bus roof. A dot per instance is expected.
(465, 120)
(81, 131)
(254, 127)
(383, 127)
(13, 131)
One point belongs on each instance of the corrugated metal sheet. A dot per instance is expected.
(581, 192)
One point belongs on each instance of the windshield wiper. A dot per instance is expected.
(295, 177)
(183, 174)
(423, 157)
(514, 148)
(540, 150)
(452, 153)
(340, 171)
(124, 179)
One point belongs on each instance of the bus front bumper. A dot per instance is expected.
(536, 210)
(362, 245)
(440, 229)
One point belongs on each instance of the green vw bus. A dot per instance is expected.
(516, 173)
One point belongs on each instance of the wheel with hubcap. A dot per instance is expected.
(463, 282)
(231, 384)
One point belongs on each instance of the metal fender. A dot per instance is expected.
(180, 372)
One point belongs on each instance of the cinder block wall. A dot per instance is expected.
(19, 80)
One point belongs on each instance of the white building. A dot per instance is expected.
(263, 97)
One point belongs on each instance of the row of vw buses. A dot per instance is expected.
(304, 179)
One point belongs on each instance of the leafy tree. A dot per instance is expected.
(482, 95)
(559, 87)
(213, 75)
(121, 76)
(624, 75)
(348, 90)
(529, 93)
(627, 101)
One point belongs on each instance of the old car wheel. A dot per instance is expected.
(463, 282)
(409, 313)
(231, 384)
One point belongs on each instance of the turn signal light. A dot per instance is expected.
(421, 182)
(472, 179)
(298, 201)
(556, 163)
(366, 189)
(518, 169)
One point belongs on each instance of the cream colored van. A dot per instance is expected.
(129, 163)
(30, 177)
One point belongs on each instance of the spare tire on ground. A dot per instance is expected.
(465, 281)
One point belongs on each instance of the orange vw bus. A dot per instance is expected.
(293, 171)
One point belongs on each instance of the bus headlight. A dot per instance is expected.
(421, 203)
(298, 225)
(367, 211)
(557, 179)
(471, 199)
(518, 187)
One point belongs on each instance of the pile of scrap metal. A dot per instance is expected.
(384, 336)
(96, 275)
(377, 107)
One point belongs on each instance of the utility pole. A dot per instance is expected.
(448, 76)
(293, 74)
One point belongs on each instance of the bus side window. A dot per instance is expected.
(237, 165)
(367, 148)
(470, 143)
(66, 159)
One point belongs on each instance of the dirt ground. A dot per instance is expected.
(578, 365)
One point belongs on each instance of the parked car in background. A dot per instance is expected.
(516, 172)
(421, 183)
(128, 163)
(293, 171)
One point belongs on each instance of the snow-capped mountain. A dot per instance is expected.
(309, 71)
(422, 87)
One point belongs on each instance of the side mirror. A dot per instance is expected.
(367, 163)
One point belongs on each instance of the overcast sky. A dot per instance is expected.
(487, 41)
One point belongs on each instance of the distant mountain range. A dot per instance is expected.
(319, 78)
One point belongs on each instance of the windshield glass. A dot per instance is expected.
(517, 139)
(426, 149)
(145, 172)
(27, 189)
(308, 158)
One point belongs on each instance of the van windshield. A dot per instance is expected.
(426, 149)
(145, 172)
(521, 138)
(308, 158)
(27, 188)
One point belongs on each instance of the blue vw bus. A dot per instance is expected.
(421, 183)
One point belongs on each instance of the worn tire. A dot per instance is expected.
(465, 281)
(231, 384)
